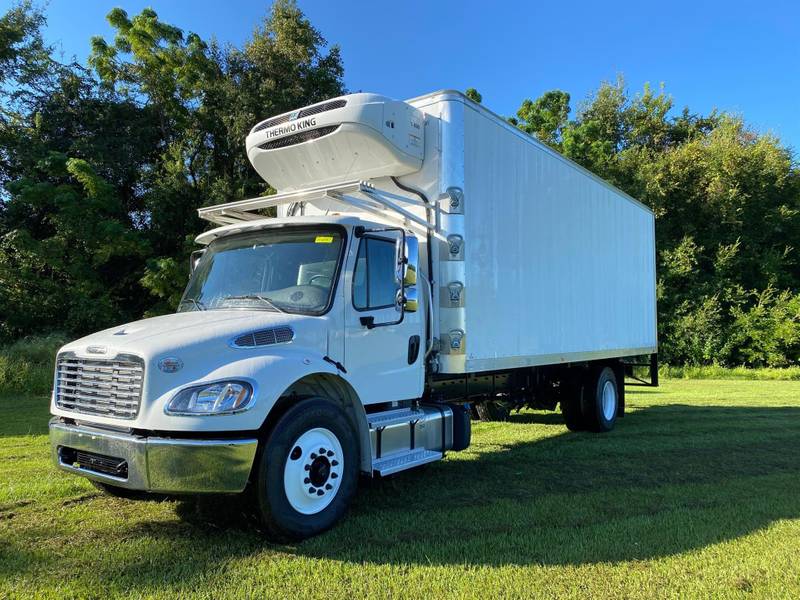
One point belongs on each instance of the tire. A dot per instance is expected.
(601, 400)
(307, 472)
(462, 427)
(571, 408)
(492, 410)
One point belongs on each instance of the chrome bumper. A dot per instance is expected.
(152, 463)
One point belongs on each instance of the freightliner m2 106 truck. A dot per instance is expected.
(420, 259)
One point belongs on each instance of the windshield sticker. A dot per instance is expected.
(324, 239)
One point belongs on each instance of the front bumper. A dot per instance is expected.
(153, 464)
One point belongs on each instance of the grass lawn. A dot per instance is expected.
(695, 494)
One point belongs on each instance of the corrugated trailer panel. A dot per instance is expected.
(559, 266)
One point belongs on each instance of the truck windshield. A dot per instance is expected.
(280, 270)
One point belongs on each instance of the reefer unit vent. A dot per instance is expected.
(359, 136)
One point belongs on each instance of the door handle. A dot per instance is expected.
(413, 349)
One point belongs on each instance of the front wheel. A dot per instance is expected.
(307, 471)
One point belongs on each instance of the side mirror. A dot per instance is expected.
(411, 263)
(407, 252)
(194, 258)
(411, 300)
(407, 260)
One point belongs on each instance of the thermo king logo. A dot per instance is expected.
(291, 127)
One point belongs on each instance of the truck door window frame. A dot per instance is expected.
(364, 245)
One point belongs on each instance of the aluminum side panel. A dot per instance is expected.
(558, 264)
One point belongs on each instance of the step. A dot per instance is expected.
(406, 460)
(393, 417)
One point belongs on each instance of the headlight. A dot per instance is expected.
(217, 398)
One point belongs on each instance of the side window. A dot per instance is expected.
(374, 284)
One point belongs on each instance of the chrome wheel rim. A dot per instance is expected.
(609, 397)
(313, 471)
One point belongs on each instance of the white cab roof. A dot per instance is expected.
(348, 221)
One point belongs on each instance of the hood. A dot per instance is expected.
(172, 333)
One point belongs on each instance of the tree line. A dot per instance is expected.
(103, 166)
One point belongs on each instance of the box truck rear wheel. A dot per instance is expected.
(600, 399)
(570, 404)
(307, 471)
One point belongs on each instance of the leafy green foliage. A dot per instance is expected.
(545, 117)
(474, 95)
(103, 170)
(26, 366)
(727, 202)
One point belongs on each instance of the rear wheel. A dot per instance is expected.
(601, 400)
(571, 407)
(307, 471)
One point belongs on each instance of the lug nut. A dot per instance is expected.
(328, 486)
(313, 455)
(330, 452)
(334, 475)
(334, 463)
(320, 492)
(306, 480)
(322, 450)
(307, 467)
(311, 490)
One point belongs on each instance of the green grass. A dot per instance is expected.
(717, 372)
(695, 494)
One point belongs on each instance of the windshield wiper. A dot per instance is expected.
(197, 303)
(263, 299)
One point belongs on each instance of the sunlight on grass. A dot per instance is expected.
(695, 494)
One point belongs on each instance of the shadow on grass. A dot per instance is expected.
(669, 479)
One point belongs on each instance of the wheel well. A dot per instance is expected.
(335, 389)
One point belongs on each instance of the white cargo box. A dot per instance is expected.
(545, 262)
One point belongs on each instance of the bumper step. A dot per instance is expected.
(406, 460)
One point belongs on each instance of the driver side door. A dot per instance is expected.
(385, 361)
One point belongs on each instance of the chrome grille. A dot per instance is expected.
(104, 387)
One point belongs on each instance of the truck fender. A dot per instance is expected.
(284, 379)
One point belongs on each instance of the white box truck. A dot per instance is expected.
(420, 258)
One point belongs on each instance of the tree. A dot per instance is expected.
(727, 203)
(545, 117)
(206, 99)
(474, 95)
(103, 170)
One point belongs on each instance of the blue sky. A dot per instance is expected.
(741, 57)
